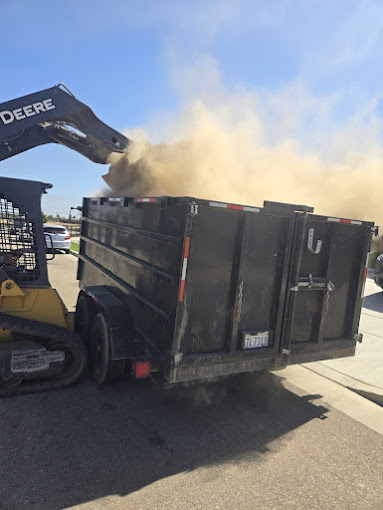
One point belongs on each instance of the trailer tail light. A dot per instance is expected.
(141, 369)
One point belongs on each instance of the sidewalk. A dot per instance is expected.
(364, 372)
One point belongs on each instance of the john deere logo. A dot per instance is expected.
(9, 116)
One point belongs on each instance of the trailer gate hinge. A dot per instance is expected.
(178, 357)
(358, 337)
(194, 209)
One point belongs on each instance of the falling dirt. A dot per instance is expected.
(217, 159)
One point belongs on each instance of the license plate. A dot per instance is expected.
(255, 341)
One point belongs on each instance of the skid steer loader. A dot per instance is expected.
(39, 350)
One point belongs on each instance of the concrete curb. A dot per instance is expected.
(372, 393)
(74, 253)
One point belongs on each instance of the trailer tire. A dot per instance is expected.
(104, 369)
(85, 313)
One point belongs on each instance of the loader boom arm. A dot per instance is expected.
(55, 115)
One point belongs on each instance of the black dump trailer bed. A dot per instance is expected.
(201, 289)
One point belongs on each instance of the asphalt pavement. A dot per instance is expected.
(248, 443)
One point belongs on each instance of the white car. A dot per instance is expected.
(59, 236)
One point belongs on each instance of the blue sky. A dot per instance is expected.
(137, 63)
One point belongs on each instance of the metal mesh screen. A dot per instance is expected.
(18, 249)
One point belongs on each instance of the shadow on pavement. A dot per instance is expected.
(374, 302)
(77, 445)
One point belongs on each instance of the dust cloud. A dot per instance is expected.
(224, 155)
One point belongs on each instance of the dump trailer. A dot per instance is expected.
(192, 289)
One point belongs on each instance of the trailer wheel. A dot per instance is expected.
(104, 369)
(85, 313)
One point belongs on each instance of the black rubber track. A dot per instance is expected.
(53, 338)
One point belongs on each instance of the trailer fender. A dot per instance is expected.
(119, 320)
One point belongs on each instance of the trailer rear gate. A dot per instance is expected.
(216, 289)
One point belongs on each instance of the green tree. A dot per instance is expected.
(47, 217)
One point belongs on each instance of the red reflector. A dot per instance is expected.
(67, 237)
(365, 275)
(141, 369)
(182, 290)
(187, 244)
(344, 221)
(232, 206)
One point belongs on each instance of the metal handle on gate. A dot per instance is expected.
(310, 242)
